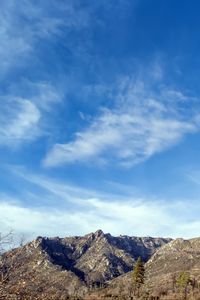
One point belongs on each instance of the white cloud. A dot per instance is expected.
(23, 120)
(137, 217)
(59, 189)
(23, 24)
(19, 120)
(193, 175)
(141, 123)
(13, 47)
(44, 95)
(79, 210)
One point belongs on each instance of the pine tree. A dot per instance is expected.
(183, 282)
(138, 276)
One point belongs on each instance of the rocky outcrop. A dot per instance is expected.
(98, 257)
(75, 264)
(162, 271)
(178, 256)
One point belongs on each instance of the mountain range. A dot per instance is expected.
(95, 265)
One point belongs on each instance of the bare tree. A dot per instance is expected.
(6, 240)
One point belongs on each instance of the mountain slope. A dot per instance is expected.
(178, 256)
(163, 269)
(32, 274)
(75, 263)
(98, 257)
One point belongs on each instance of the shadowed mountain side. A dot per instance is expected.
(162, 271)
(74, 264)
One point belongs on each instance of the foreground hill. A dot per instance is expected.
(162, 271)
(178, 256)
(71, 265)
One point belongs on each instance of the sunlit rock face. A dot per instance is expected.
(76, 264)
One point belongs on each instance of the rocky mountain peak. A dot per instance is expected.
(99, 233)
(84, 261)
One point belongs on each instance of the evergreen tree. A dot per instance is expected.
(138, 276)
(183, 282)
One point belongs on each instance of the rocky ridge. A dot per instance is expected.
(178, 256)
(74, 264)
(163, 269)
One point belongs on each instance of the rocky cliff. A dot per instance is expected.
(162, 271)
(61, 266)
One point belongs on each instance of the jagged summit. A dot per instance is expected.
(99, 233)
(79, 262)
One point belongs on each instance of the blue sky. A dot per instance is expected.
(100, 117)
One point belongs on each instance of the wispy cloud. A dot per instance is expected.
(62, 190)
(194, 176)
(136, 217)
(143, 121)
(19, 121)
(67, 209)
(24, 24)
(23, 119)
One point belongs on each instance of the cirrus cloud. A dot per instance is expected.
(141, 123)
(26, 119)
